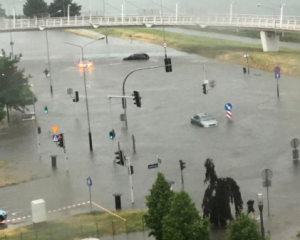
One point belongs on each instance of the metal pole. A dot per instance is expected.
(123, 90)
(130, 181)
(248, 65)
(36, 127)
(11, 41)
(204, 69)
(262, 222)
(230, 12)
(268, 201)
(133, 143)
(122, 13)
(90, 198)
(176, 12)
(276, 51)
(87, 106)
(49, 65)
(182, 182)
(163, 25)
(76, 111)
(65, 152)
(281, 15)
(68, 15)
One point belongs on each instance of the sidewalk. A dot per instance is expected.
(130, 236)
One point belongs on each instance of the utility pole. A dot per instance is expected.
(182, 166)
(130, 179)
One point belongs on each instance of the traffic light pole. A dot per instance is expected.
(123, 88)
(36, 128)
(65, 151)
(182, 182)
(130, 180)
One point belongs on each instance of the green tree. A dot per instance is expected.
(218, 195)
(158, 203)
(14, 89)
(243, 228)
(183, 221)
(35, 8)
(2, 11)
(63, 6)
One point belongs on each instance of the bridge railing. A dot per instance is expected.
(255, 22)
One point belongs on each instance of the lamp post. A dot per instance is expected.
(69, 14)
(86, 97)
(247, 56)
(231, 6)
(281, 13)
(177, 3)
(14, 16)
(49, 65)
(260, 202)
(273, 9)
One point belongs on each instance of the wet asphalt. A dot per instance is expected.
(257, 137)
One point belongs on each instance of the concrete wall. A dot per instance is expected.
(269, 41)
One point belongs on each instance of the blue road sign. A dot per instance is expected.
(228, 107)
(89, 181)
(55, 138)
(277, 69)
(151, 166)
(277, 75)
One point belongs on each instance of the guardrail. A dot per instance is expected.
(241, 21)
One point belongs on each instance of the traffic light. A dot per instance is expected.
(76, 99)
(130, 170)
(46, 109)
(168, 65)
(60, 141)
(120, 157)
(182, 165)
(137, 98)
(112, 134)
(39, 130)
(204, 88)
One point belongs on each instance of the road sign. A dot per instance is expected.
(151, 166)
(277, 75)
(295, 143)
(266, 174)
(228, 114)
(89, 181)
(267, 183)
(277, 69)
(212, 83)
(55, 138)
(228, 107)
(54, 129)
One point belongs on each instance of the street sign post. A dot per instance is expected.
(54, 129)
(228, 107)
(55, 138)
(277, 75)
(89, 183)
(266, 175)
(152, 166)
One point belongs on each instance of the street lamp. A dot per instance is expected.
(14, 16)
(281, 13)
(49, 65)
(69, 14)
(231, 6)
(177, 3)
(260, 202)
(86, 98)
(247, 56)
(273, 9)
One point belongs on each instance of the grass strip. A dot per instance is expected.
(221, 50)
(95, 224)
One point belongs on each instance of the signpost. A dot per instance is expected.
(277, 76)
(55, 138)
(89, 183)
(152, 166)
(266, 175)
(228, 108)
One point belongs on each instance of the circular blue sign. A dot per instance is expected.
(89, 181)
(277, 69)
(228, 106)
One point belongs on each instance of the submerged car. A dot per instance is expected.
(3, 215)
(85, 63)
(137, 56)
(204, 120)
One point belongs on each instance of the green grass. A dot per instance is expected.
(221, 50)
(96, 224)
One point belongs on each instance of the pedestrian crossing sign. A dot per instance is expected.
(55, 138)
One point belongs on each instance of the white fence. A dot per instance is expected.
(240, 21)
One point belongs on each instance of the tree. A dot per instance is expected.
(63, 6)
(183, 221)
(158, 203)
(242, 228)
(14, 88)
(219, 194)
(35, 8)
(2, 11)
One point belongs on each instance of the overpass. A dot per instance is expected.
(268, 25)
